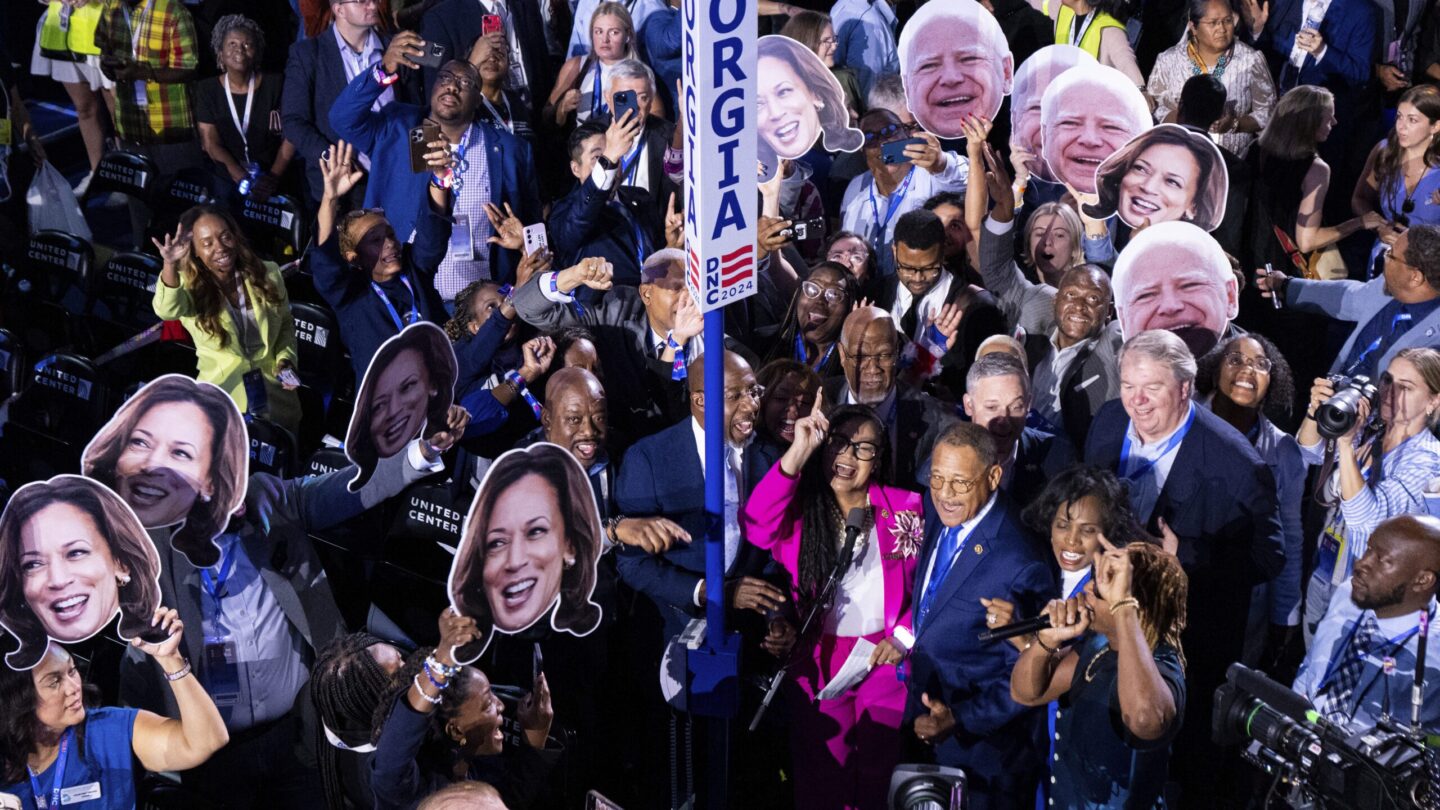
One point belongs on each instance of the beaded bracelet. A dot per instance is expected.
(178, 674)
(439, 685)
(433, 701)
(444, 669)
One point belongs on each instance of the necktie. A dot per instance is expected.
(733, 502)
(911, 318)
(944, 558)
(1334, 700)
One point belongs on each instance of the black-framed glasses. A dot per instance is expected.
(863, 451)
(832, 295)
(928, 271)
(451, 77)
(1239, 361)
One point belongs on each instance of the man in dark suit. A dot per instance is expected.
(643, 179)
(1194, 475)
(959, 688)
(507, 166)
(318, 69)
(640, 331)
(870, 355)
(591, 220)
(456, 24)
(997, 398)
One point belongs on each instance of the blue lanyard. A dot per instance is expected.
(395, 316)
(1170, 444)
(461, 166)
(1080, 586)
(802, 356)
(1400, 317)
(216, 587)
(596, 103)
(627, 161)
(59, 779)
(635, 230)
(895, 199)
(1336, 663)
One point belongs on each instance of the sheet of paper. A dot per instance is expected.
(851, 673)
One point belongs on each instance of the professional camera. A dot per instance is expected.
(1336, 415)
(927, 787)
(1321, 762)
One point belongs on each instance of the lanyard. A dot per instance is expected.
(629, 161)
(803, 357)
(1170, 444)
(635, 230)
(414, 314)
(216, 586)
(1400, 317)
(1084, 29)
(596, 104)
(135, 27)
(457, 176)
(895, 199)
(504, 120)
(1080, 586)
(243, 126)
(59, 779)
(1335, 664)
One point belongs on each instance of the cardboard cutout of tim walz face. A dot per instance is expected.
(72, 556)
(178, 454)
(529, 548)
(954, 64)
(1165, 174)
(1086, 115)
(1031, 79)
(799, 100)
(408, 387)
(1175, 276)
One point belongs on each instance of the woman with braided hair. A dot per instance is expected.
(1112, 658)
(350, 679)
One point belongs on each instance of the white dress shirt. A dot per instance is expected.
(930, 304)
(734, 456)
(1145, 488)
(965, 529)
(1314, 12)
(859, 608)
(1050, 373)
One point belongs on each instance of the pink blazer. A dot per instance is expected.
(771, 520)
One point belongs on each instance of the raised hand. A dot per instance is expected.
(441, 158)
(810, 433)
(997, 181)
(455, 631)
(976, 129)
(621, 134)
(339, 170)
(948, 322)
(532, 263)
(593, 272)
(167, 651)
(509, 231)
(687, 319)
(1270, 282)
(1113, 570)
(538, 353)
(674, 224)
(175, 247)
(445, 436)
(402, 52)
(772, 234)
(1069, 619)
(536, 713)
(934, 727)
(928, 155)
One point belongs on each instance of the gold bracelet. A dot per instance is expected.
(1128, 601)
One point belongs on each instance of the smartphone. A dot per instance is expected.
(808, 229)
(537, 664)
(426, 133)
(894, 152)
(625, 100)
(433, 55)
(535, 238)
(490, 23)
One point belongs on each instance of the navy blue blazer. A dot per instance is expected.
(456, 24)
(994, 736)
(314, 78)
(661, 475)
(1042, 456)
(1351, 30)
(384, 136)
(582, 223)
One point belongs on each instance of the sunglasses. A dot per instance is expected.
(885, 133)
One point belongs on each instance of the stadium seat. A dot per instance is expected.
(272, 448)
(124, 173)
(278, 228)
(118, 304)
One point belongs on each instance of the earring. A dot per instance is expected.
(570, 562)
(123, 579)
(819, 105)
(204, 498)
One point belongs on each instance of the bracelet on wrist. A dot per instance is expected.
(433, 701)
(446, 671)
(611, 525)
(179, 673)
(1046, 647)
(382, 78)
(430, 676)
(1128, 601)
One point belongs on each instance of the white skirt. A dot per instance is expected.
(85, 72)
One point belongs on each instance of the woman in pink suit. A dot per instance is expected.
(797, 512)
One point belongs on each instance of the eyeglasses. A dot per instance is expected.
(833, 295)
(828, 40)
(960, 486)
(863, 451)
(450, 77)
(848, 256)
(1387, 253)
(886, 133)
(883, 360)
(734, 395)
(927, 271)
(1239, 361)
(1217, 24)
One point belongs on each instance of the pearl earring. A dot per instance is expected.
(569, 562)
(123, 579)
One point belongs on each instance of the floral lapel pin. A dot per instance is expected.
(909, 532)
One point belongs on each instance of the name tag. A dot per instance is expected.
(462, 247)
(80, 793)
(141, 99)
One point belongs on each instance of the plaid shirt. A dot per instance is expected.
(166, 39)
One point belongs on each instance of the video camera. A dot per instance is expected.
(1320, 761)
(1336, 415)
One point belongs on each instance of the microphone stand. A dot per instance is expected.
(827, 594)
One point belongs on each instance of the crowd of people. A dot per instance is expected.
(1079, 359)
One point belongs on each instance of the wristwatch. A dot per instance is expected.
(605, 163)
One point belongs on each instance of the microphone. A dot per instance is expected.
(854, 523)
(1024, 627)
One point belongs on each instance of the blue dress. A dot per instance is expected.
(1425, 210)
(101, 770)
(1097, 762)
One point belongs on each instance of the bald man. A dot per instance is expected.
(1372, 618)
(870, 355)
